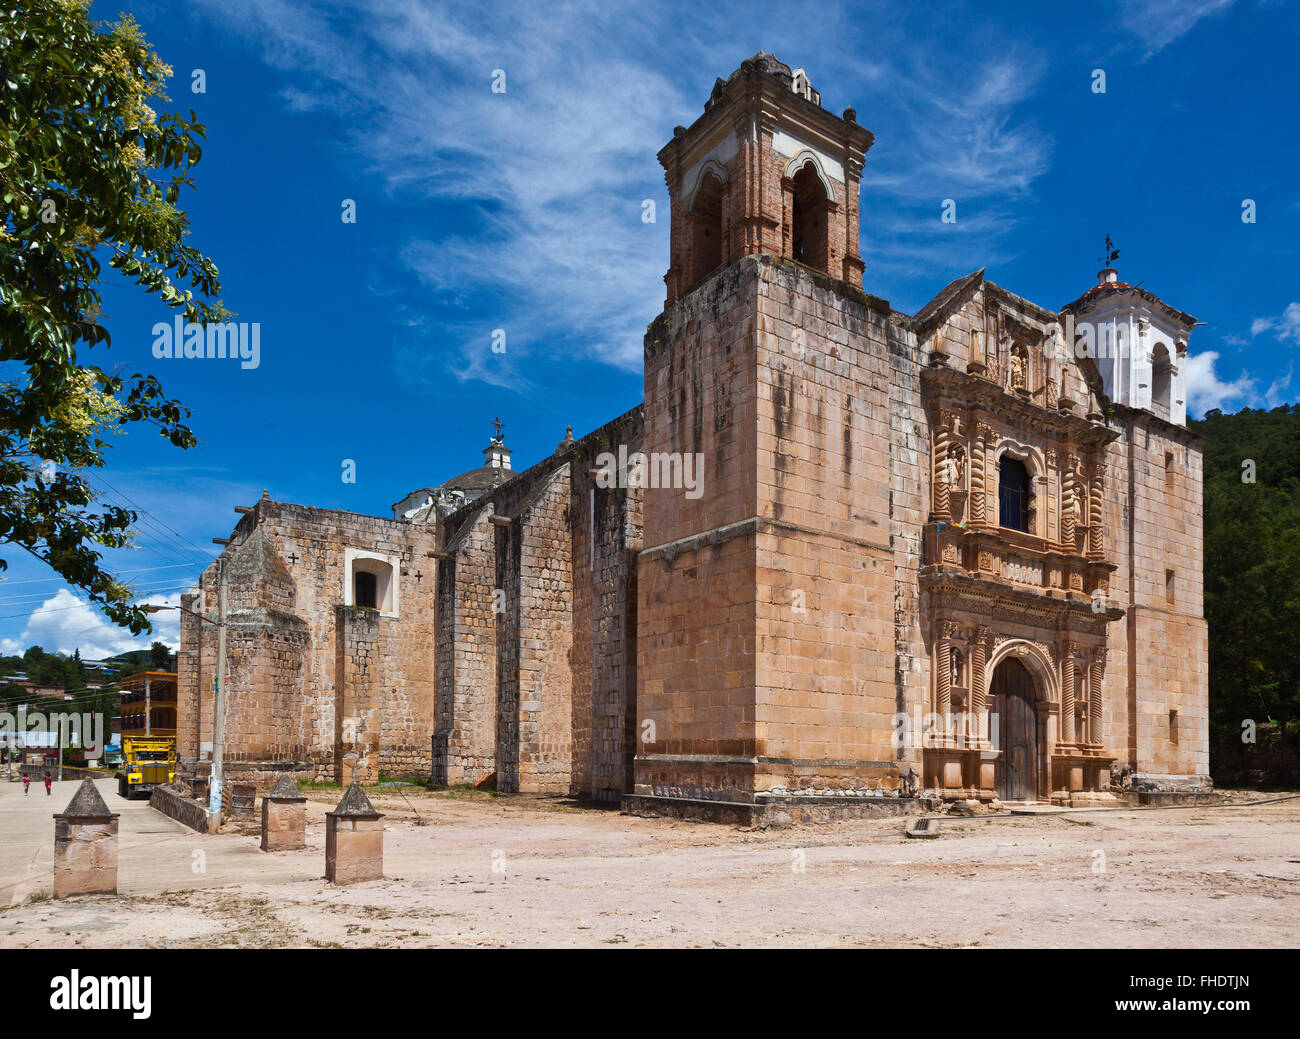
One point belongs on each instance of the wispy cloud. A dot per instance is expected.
(1285, 326)
(1158, 23)
(547, 179)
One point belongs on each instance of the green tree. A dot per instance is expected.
(89, 174)
(1252, 566)
(160, 657)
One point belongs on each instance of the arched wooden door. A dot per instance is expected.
(1013, 701)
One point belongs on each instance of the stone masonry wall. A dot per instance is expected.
(1166, 688)
(286, 567)
(467, 676)
(909, 469)
(535, 632)
(696, 574)
(545, 637)
(825, 687)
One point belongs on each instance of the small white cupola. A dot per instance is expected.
(1137, 342)
(496, 455)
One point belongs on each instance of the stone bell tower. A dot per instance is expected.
(766, 675)
(765, 169)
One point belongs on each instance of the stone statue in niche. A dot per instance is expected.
(952, 470)
(1018, 367)
(958, 675)
(957, 455)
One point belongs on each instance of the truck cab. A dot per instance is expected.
(147, 762)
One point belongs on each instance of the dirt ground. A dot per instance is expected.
(478, 871)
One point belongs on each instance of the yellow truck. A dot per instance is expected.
(147, 762)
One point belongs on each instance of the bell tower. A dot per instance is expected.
(765, 169)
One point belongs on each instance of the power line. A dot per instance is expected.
(18, 600)
(88, 604)
(145, 512)
(140, 570)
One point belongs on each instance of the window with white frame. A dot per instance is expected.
(371, 581)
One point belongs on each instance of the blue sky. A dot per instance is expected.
(522, 211)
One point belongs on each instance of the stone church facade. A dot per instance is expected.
(839, 556)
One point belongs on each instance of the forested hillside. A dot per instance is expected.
(1252, 573)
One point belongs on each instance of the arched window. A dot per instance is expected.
(371, 582)
(1015, 498)
(810, 220)
(1161, 377)
(706, 226)
(365, 589)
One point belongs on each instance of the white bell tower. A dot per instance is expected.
(1138, 343)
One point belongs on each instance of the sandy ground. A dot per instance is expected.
(483, 871)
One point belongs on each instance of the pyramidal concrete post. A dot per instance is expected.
(284, 817)
(354, 840)
(85, 846)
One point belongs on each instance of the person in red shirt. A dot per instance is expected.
(27, 782)
(48, 778)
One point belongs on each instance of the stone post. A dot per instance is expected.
(354, 840)
(85, 846)
(284, 817)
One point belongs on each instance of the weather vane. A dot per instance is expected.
(1112, 254)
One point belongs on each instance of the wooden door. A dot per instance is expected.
(1013, 700)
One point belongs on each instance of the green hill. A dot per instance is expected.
(1252, 572)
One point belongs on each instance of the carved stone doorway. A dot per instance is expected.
(1012, 700)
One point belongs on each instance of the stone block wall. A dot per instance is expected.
(696, 573)
(825, 622)
(909, 469)
(534, 646)
(1163, 681)
(604, 566)
(465, 726)
(286, 570)
(545, 636)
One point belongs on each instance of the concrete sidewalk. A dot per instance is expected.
(154, 853)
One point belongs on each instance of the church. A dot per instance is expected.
(839, 558)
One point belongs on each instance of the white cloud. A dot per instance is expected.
(1275, 396)
(1285, 327)
(64, 623)
(1205, 390)
(549, 177)
(1158, 23)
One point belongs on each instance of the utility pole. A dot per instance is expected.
(218, 696)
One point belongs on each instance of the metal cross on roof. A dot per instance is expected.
(1111, 254)
(498, 425)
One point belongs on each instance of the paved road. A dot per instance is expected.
(155, 853)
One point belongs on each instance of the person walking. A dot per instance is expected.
(48, 779)
(27, 782)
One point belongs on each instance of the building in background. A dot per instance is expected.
(148, 701)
